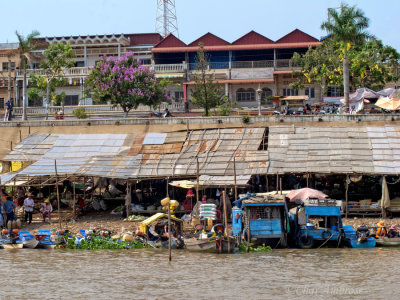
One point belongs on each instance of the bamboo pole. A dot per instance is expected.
(347, 196)
(234, 174)
(74, 203)
(226, 220)
(197, 187)
(280, 184)
(128, 195)
(277, 183)
(169, 226)
(58, 195)
(248, 230)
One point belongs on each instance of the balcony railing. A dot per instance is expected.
(252, 64)
(169, 68)
(77, 71)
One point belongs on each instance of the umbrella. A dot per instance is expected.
(305, 193)
(392, 103)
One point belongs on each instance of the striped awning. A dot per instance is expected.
(170, 75)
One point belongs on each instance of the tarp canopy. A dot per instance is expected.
(306, 193)
(391, 102)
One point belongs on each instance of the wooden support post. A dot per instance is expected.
(197, 187)
(267, 183)
(129, 199)
(347, 196)
(277, 183)
(92, 196)
(11, 145)
(280, 184)
(169, 225)
(74, 199)
(20, 135)
(248, 230)
(58, 195)
(307, 180)
(84, 188)
(226, 220)
(234, 176)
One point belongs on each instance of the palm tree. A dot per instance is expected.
(26, 45)
(348, 26)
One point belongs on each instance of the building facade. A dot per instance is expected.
(88, 50)
(251, 65)
(9, 61)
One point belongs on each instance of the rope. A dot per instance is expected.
(326, 241)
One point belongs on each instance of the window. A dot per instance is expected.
(334, 91)
(245, 95)
(5, 66)
(79, 64)
(290, 92)
(310, 92)
(2, 103)
(266, 92)
(71, 100)
(35, 66)
(179, 96)
(145, 61)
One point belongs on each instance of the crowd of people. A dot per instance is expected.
(23, 207)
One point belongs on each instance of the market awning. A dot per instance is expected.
(295, 98)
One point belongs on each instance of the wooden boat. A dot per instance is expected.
(387, 242)
(214, 241)
(31, 243)
(12, 246)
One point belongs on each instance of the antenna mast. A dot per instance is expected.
(166, 21)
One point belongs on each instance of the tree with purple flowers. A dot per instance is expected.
(124, 81)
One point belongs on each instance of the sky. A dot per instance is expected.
(227, 19)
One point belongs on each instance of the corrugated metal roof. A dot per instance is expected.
(207, 180)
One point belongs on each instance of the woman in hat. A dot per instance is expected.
(393, 232)
(381, 230)
(46, 210)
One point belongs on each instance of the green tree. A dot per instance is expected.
(123, 81)
(57, 58)
(25, 46)
(348, 27)
(207, 93)
(372, 65)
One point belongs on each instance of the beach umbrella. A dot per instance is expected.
(305, 193)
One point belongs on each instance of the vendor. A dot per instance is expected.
(46, 210)
(381, 230)
(9, 206)
(393, 232)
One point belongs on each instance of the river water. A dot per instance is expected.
(147, 274)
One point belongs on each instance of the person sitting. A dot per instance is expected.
(393, 232)
(46, 210)
(381, 232)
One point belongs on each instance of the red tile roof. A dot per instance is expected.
(252, 38)
(144, 38)
(209, 39)
(296, 36)
(237, 47)
(170, 41)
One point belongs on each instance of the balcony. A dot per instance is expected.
(78, 71)
(169, 68)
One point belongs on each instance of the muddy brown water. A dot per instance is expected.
(147, 274)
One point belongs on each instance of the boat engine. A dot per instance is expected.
(362, 233)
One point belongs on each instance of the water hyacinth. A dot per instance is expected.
(124, 81)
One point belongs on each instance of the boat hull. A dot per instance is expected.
(213, 245)
(388, 242)
(31, 244)
(12, 246)
(369, 243)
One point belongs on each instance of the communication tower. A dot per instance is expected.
(166, 21)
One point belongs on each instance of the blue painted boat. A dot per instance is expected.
(358, 238)
(261, 220)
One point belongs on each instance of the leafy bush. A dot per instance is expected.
(260, 248)
(80, 113)
(246, 119)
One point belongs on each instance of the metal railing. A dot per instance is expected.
(41, 110)
(252, 64)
